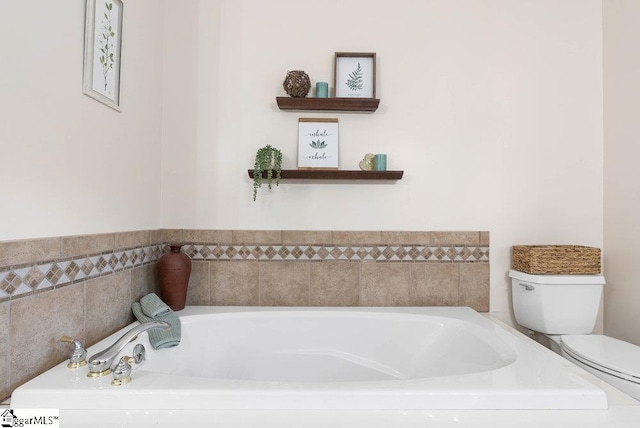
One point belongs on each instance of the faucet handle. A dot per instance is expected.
(139, 353)
(122, 371)
(77, 357)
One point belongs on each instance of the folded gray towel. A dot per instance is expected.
(153, 307)
(158, 337)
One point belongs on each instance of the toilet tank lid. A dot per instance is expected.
(557, 279)
(608, 352)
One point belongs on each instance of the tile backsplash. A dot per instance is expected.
(327, 268)
(83, 286)
(79, 286)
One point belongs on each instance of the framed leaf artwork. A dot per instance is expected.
(103, 51)
(355, 75)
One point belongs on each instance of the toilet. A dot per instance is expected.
(565, 308)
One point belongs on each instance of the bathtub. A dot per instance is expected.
(337, 359)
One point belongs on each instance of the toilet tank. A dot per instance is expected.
(556, 304)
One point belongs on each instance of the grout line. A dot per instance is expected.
(458, 287)
(308, 264)
(7, 357)
(209, 298)
(260, 283)
(360, 288)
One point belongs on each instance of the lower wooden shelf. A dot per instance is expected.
(334, 174)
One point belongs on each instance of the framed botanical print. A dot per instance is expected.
(355, 75)
(103, 51)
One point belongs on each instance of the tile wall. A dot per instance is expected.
(83, 286)
(79, 286)
(325, 268)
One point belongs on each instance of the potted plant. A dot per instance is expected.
(267, 159)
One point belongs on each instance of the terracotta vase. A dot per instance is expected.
(174, 269)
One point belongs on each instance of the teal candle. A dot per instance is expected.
(380, 162)
(322, 90)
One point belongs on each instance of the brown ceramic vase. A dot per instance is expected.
(174, 269)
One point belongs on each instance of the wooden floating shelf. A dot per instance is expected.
(333, 104)
(334, 174)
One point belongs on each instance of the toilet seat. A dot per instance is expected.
(609, 355)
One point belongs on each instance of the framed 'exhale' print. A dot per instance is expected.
(317, 143)
(103, 51)
(355, 75)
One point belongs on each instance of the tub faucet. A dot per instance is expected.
(100, 364)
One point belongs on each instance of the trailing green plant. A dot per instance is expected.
(268, 159)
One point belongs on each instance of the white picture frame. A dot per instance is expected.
(355, 75)
(318, 143)
(103, 51)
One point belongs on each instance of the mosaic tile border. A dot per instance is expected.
(386, 253)
(18, 281)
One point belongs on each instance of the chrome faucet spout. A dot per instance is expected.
(100, 363)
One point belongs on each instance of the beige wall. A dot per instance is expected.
(621, 171)
(492, 108)
(71, 165)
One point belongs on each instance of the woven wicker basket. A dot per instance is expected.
(556, 259)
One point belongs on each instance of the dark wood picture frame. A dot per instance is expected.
(346, 74)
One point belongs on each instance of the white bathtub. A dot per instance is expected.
(323, 359)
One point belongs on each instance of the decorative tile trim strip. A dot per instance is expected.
(32, 277)
(18, 281)
(384, 253)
